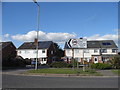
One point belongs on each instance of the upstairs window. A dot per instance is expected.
(114, 50)
(95, 50)
(104, 51)
(19, 52)
(43, 51)
(26, 51)
(76, 51)
(86, 51)
(68, 51)
(34, 51)
(51, 52)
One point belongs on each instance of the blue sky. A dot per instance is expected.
(60, 21)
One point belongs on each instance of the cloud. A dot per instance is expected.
(56, 37)
(104, 37)
(6, 35)
(59, 37)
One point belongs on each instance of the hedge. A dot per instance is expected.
(60, 64)
(101, 66)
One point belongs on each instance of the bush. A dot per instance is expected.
(60, 65)
(115, 62)
(74, 62)
(16, 62)
(101, 66)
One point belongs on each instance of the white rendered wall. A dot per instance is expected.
(31, 53)
(78, 53)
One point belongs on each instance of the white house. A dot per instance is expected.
(46, 51)
(96, 51)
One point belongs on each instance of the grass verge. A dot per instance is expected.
(116, 71)
(64, 71)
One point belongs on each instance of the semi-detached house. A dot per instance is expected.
(46, 51)
(97, 51)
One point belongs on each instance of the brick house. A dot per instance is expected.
(7, 50)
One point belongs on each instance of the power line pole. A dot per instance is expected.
(38, 22)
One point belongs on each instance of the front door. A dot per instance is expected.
(95, 60)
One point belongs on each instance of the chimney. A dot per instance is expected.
(35, 41)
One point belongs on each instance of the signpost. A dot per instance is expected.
(77, 43)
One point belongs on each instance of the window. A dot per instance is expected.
(86, 51)
(104, 50)
(34, 51)
(76, 51)
(68, 51)
(26, 51)
(19, 52)
(51, 52)
(43, 51)
(95, 50)
(43, 59)
(106, 43)
(113, 50)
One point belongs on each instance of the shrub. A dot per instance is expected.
(74, 62)
(115, 62)
(16, 62)
(101, 66)
(60, 65)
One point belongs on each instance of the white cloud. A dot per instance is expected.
(104, 37)
(6, 35)
(57, 37)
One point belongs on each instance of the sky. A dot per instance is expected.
(59, 21)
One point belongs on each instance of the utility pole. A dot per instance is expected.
(83, 61)
(73, 59)
(38, 22)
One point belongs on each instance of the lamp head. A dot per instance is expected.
(35, 1)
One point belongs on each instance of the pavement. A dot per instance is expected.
(107, 73)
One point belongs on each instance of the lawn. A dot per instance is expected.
(64, 71)
(116, 72)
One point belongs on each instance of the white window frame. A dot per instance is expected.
(86, 51)
(95, 50)
(43, 50)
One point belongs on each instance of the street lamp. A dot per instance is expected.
(38, 22)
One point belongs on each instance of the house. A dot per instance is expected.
(7, 50)
(96, 51)
(46, 51)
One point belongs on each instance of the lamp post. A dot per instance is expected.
(38, 22)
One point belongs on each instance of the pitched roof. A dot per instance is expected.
(97, 44)
(31, 45)
(5, 44)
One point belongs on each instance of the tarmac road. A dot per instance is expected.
(18, 81)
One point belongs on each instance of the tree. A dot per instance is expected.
(58, 51)
(115, 62)
(118, 53)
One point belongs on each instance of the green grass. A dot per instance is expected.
(64, 71)
(116, 72)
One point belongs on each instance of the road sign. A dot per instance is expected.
(77, 43)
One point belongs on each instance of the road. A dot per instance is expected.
(17, 81)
